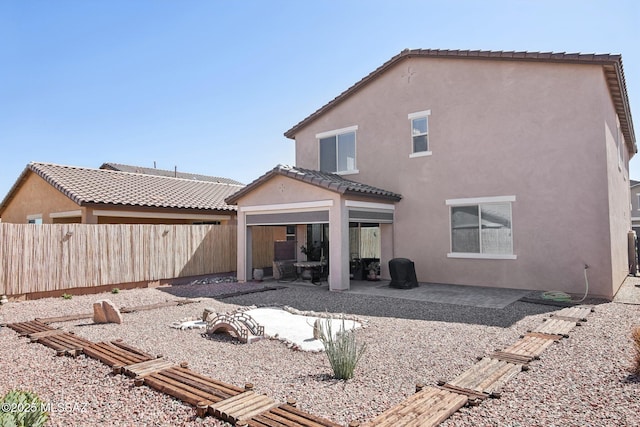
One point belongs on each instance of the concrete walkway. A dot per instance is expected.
(629, 292)
(473, 296)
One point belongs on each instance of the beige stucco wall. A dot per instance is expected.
(618, 192)
(283, 190)
(36, 196)
(497, 128)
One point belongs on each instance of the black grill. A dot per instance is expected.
(403, 273)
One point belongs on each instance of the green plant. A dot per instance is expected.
(67, 296)
(313, 251)
(341, 348)
(635, 336)
(22, 409)
(115, 291)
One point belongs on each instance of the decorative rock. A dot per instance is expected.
(208, 312)
(112, 312)
(104, 311)
(317, 329)
(4, 299)
(99, 315)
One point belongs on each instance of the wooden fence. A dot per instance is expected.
(53, 257)
(263, 238)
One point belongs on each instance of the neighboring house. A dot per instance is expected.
(49, 193)
(485, 168)
(635, 206)
(168, 173)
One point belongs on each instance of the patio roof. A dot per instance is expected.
(325, 180)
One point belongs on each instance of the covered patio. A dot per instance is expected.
(324, 209)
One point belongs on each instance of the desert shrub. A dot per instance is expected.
(22, 409)
(341, 348)
(635, 336)
(115, 290)
(67, 296)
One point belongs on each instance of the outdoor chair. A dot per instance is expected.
(286, 271)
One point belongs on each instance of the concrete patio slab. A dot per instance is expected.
(473, 296)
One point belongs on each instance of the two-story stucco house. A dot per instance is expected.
(487, 168)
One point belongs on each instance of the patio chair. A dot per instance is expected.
(286, 271)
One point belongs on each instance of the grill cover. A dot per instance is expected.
(403, 273)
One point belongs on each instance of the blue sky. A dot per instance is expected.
(211, 86)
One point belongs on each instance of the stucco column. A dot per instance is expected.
(387, 249)
(248, 253)
(241, 258)
(88, 217)
(339, 247)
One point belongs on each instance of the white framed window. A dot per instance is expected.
(34, 219)
(338, 150)
(638, 196)
(420, 133)
(291, 232)
(481, 228)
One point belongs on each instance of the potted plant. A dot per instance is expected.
(313, 251)
(374, 270)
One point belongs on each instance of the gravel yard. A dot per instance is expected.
(582, 380)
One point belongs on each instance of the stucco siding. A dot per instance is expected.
(496, 128)
(283, 190)
(618, 193)
(36, 197)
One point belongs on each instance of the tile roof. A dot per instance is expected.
(88, 186)
(168, 173)
(612, 65)
(325, 180)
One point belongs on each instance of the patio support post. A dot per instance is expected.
(387, 249)
(339, 250)
(249, 254)
(241, 239)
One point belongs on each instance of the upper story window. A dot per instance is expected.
(481, 228)
(420, 133)
(338, 150)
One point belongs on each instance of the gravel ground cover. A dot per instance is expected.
(582, 380)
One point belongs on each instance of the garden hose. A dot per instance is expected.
(563, 296)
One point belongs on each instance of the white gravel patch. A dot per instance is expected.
(296, 329)
(582, 380)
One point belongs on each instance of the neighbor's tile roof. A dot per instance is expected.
(612, 66)
(88, 186)
(171, 174)
(326, 180)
